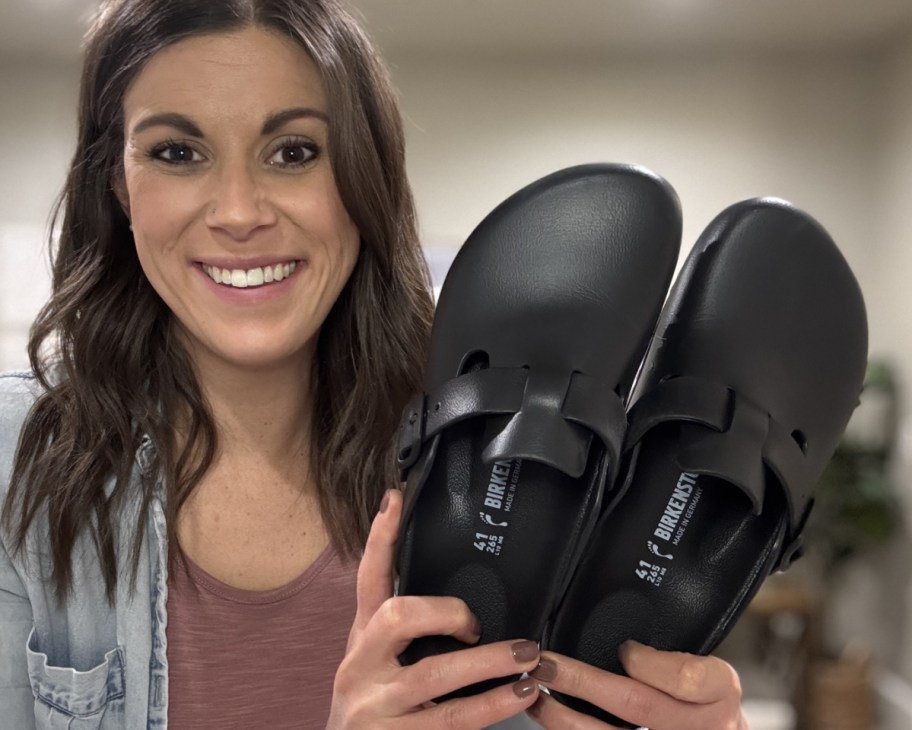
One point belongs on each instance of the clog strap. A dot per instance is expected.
(740, 439)
(553, 417)
(493, 391)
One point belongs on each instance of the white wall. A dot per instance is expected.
(877, 591)
(718, 129)
(893, 259)
(37, 133)
(891, 301)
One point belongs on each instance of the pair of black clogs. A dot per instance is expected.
(587, 465)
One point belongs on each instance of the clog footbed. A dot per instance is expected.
(756, 365)
(541, 324)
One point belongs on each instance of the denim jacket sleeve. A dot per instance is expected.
(60, 665)
(16, 700)
(63, 664)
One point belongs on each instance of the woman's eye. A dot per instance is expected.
(293, 154)
(175, 153)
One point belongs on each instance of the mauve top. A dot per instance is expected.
(256, 659)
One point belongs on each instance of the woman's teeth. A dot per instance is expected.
(242, 279)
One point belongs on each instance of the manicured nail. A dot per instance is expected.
(536, 709)
(524, 687)
(546, 671)
(524, 651)
(385, 502)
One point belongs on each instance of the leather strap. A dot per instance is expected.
(554, 417)
(739, 441)
(493, 391)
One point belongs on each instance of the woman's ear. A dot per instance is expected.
(119, 186)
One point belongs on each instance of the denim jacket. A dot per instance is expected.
(84, 664)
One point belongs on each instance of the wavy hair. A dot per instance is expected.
(105, 348)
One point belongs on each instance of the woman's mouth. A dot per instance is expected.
(250, 278)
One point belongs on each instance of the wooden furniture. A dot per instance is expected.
(785, 618)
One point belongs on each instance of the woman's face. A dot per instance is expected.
(227, 181)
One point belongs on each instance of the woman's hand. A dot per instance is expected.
(665, 691)
(373, 690)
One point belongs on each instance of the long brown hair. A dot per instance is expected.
(104, 347)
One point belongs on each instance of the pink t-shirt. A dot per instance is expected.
(256, 659)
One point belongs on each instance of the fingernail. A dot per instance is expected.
(625, 649)
(546, 671)
(524, 651)
(476, 627)
(524, 687)
(384, 503)
(536, 709)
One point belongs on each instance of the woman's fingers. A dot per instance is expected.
(666, 690)
(401, 619)
(373, 691)
(697, 679)
(466, 713)
(436, 676)
(551, 714)
(395, 621)
(376, 571)
(618, 695)
(471, 713)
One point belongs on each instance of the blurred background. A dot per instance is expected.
(808, 100)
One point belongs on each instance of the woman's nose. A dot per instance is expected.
(239, 204)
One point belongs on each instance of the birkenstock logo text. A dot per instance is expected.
(688, 513)
(502, 485)
(671, 528)
(677, 505)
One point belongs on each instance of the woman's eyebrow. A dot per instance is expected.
(170, 119)
(275, 121)
(189, 127)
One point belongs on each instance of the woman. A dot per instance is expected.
(239, 312)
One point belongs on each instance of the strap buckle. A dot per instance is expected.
(411, 434)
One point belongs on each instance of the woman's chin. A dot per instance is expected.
(252, 355)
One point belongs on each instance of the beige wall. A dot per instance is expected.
(890, 300)
(893, 249)
(718, 129)
(37, 133)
